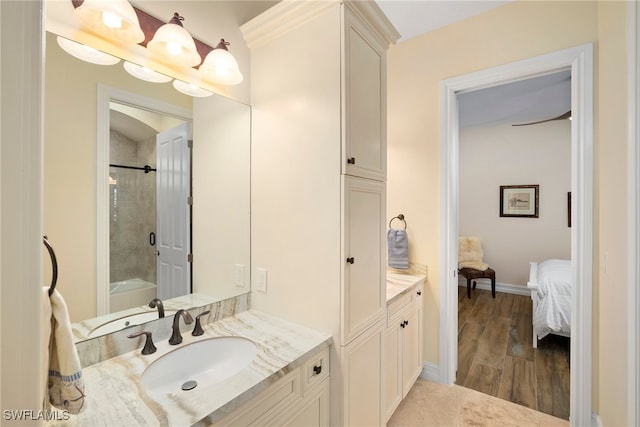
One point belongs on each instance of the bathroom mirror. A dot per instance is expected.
(80, 101)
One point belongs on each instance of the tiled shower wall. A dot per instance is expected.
(132, 209)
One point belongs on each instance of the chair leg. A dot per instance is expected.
(469, 288)
(493, 286)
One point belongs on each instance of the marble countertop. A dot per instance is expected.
(114, 396)
(83, 330)
(399, 284)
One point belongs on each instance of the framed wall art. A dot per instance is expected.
(519, 201)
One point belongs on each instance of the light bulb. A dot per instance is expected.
(111, 20)
(220, 66)
(174, 48)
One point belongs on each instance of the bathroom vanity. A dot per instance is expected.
(403, 338)
(285, 383)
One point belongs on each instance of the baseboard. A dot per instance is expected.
(595, 420)
(430, 371)
(500, 287)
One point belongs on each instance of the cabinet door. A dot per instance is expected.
(364, 89)
(363, 280)
(411, 341)
(362, 364)
(392, 368)
(313, 411)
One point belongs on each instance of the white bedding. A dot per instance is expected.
(553, 311)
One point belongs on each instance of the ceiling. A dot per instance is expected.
(525, 101)
(414, 17)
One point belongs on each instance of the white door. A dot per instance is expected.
(173, 188)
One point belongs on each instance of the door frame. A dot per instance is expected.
(580, 61)
(633, 118)
(107, 94)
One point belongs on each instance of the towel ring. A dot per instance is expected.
(54, 264)
(401, 218)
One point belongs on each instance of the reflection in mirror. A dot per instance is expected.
(77, 191)
(149, 214)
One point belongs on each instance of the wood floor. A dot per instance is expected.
(496, 355)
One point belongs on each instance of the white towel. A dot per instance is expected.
(64, 388)
(398, 249)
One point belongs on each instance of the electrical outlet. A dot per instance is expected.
(239, 275)
(261, 282)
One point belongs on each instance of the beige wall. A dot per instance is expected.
(495, 155)
(69, 166)
(611, 214)
(517, 31)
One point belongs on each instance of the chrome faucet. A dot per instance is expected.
(156, 302)
(176, 337)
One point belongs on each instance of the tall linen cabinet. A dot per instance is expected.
(318, 96)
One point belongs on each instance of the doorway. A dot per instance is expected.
(580, 61)
(523, 131)
(149, 221)
(145, 107)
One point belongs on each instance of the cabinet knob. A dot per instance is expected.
(351, 260)
(317, 369)
(351, 160)
(419, 293)
(406, 322)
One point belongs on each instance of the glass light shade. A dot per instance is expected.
(174, 45)
(113, 19)
(144, 73)
(191, 89)
(221, 67)
(86, 53)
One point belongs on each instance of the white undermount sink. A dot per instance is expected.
(125, 322)
(199, 364)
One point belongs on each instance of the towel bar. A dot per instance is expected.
(401, 218)
(54, 264)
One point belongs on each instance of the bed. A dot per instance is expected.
(550, 286)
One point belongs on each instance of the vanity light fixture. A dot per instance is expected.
(220, 66)
(191, 89)
(174, 45)
(144, 73)
(113, 19)
(86, 53)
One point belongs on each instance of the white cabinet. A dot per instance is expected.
(300, 398)
(363, 293)
(362, 364)
(364, 94)
(318, 93)
(403, 348)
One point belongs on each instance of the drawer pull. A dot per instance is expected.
(419, 293)
(351, 260)
(351, 160)
(317, 369)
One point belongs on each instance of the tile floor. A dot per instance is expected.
(433, 404)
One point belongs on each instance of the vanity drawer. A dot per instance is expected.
(315, 370)
(398, 305)
(268, 404)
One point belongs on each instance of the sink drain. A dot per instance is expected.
(189, 385)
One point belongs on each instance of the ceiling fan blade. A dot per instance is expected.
(560, 117)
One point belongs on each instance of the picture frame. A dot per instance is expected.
(521, 201)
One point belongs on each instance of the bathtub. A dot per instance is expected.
(130, 293)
